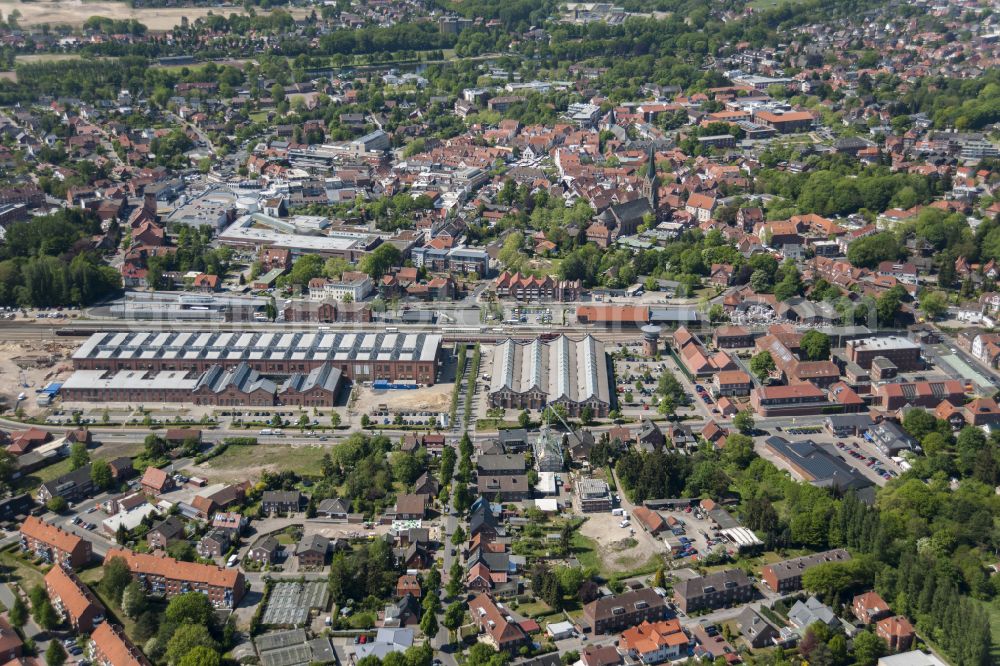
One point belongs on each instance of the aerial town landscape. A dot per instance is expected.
(500, 333)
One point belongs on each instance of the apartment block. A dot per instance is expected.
(167, 577)
(54, 545)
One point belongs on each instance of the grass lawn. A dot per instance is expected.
(651, 565)
(239, 459)
(770, 4)
(490, 425)
(54, 470)
(585, 549)
(30, 482)
(15, 567)
(534, 609)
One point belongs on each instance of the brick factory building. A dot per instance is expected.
(532, 375)
(904, 353)
(232, 369)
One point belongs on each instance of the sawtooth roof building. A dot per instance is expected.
(358, 355)
(249, 369)
(561, 371)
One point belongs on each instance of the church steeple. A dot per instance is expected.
(650, 185)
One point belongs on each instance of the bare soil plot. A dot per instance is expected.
(31, 362)
(617, 549)
(76, 12)
(436, 398)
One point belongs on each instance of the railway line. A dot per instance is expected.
(13, 330)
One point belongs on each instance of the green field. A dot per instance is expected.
(585, 549)
(770, 4)
(238, 462)
(15, 567)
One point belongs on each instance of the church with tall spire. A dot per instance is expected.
(650, 184)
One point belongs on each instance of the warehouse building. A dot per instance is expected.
(250, 369)
(396, 357)
(532, 375)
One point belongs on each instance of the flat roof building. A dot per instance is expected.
(904, 353)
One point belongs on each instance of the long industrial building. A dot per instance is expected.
(234, 369)
(531, 375)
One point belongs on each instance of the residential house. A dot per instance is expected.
(408, 584)
(410, 507)
(156, 481)
(264, 552)
(109, 646)
(897, 632)
(715, 590)
(755, 630)
(497, 628)
(280, 501)
(870, 607)
(168, 531)
(11, 645)
(655, 642)
(618, 612)
(786, 576)
(214, 544)
(165, 576)
(311, 551)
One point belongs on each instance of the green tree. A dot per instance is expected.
(870, 251)
(187, 637)
(201, 656)
(100, 474)
(429, 625)
(887, 305)
(378, 262)
(45, 615)
(456, 582)
(55, 654)
(743, 422)
(133, 600)
(78, 456)
(335, 419)
(18, 612)
(116, 577)
(524, 419)
(192, 607)
(919, 422)
(815, 346)
(933, 304)
(868, 648)
(762, 364)
(57, 504)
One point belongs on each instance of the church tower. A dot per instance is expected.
(649, 183)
